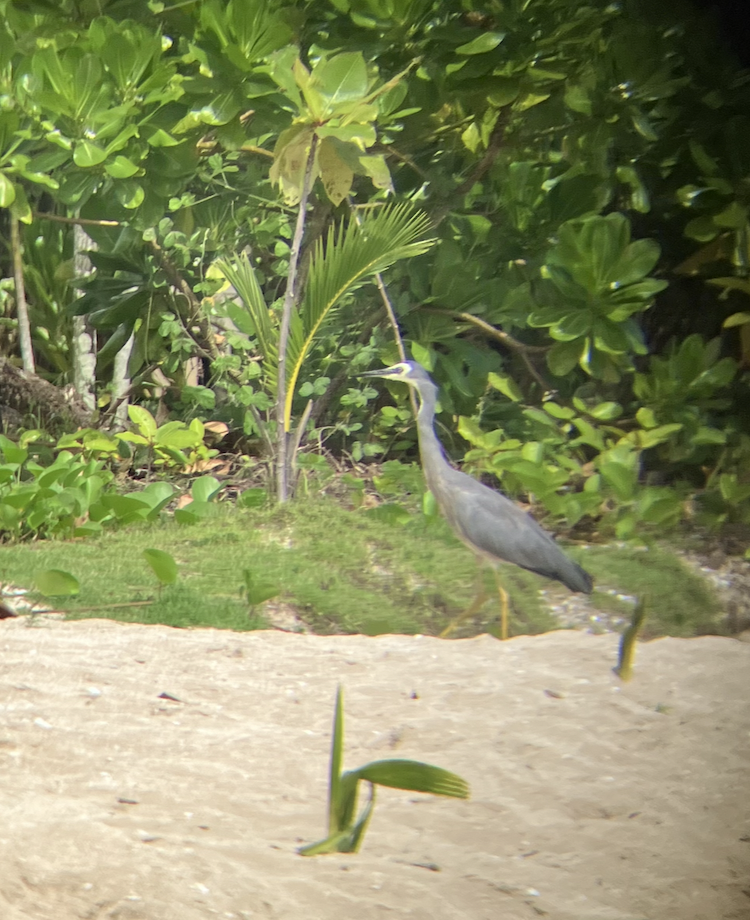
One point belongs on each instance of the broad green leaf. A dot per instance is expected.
(414, 775)
(161, 138)
(376, 168)
(341, 78)
(257, 591)
(253, 498)
(121, 168)
(481, 44)
(129, 193)
(558, 411)
(143, 419)
(126, 507)
(645, 439)
(646, 418)
(505, 385)
(621, 478)
(162, 565)
(56, 583)
(290, 159)
(176, 436)
(736, 319)
(564, 356)
(733, 216)
(7, 191)
(157, 495)
(87, 154)
(606, 411)
(205, 489)
(577, 98)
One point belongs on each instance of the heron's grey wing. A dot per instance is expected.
(496, 527)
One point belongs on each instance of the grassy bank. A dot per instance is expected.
(342, 571)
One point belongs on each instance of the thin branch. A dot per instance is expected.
(81, 221)
(290, 302)
(521, 348)
(492, 331)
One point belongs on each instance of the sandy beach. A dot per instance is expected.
(158, 774)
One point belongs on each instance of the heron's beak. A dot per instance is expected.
(384, 372)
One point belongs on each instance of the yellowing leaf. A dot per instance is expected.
(336, 176)
(290, 159)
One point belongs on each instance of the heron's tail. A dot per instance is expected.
(577, 579)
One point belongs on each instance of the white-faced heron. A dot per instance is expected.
(490, 524)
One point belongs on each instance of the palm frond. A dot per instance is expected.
(351, 254)
(244, 280)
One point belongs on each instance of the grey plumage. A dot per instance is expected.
(485, 520)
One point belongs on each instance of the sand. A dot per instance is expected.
(591, 799)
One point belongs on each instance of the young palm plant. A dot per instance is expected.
(351, 254)
(345, 834)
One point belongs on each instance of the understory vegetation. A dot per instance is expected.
(214, 215)
(329, 569)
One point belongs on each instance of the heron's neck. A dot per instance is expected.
(430, 448)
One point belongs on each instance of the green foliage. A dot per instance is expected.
(335, 102)
(172, 446)
(162, 565)
(351, 254)
(550, 143)
(56, 583)
(255, 590)
(595, 279)
(588, 458)
(345, 832)
(65, 495)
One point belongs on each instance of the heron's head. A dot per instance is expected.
(407, 371)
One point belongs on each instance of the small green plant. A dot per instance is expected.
(162, 565)
(624, 669)
(345, 834)
(165, 444)
(204, 492)
(256, 591)
(56, 583)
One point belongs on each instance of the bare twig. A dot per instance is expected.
(492, 331)
(521, 348)
(80, 221)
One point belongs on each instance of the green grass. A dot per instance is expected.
(343, 571)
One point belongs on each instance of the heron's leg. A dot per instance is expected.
(474, 607)
(503, 606)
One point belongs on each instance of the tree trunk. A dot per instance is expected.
(22, 313)
(290, 302)
(121, 381)
(84, 337)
